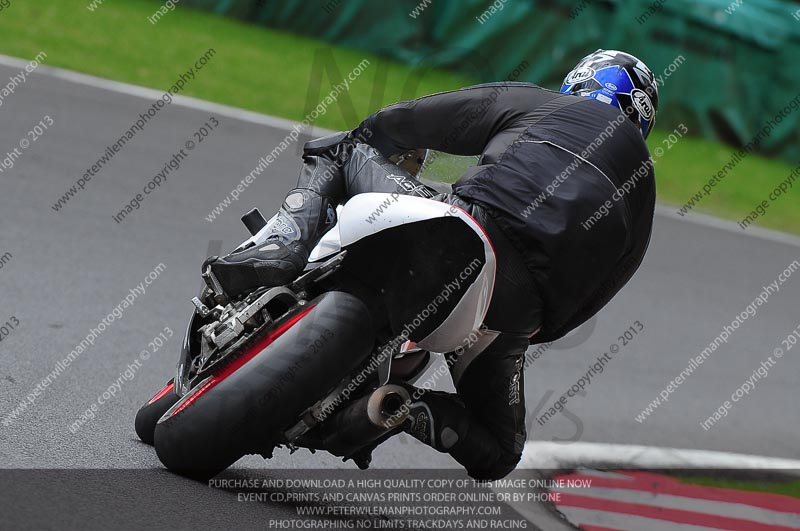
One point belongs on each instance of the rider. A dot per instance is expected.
(564, 189)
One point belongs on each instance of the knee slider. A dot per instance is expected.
(307, 200)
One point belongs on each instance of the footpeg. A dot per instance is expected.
(202, 309)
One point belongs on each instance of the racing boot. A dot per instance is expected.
(441, 421)
(298, 226)
(307, 213)
(437, 419)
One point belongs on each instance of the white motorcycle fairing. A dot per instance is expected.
(358, 220)
(365, 215)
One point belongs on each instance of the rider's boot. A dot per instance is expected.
(437, 419)
(298, 226)
(441, 421)
(306, 214)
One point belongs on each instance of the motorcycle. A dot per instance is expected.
(323, 363)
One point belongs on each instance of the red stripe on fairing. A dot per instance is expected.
(236, 364)
(491, 246)
(660, 484)
(159, 395)
(480, 227)
(678, 516)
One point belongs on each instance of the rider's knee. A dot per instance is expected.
(325, 143)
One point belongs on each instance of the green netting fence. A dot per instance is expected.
(726, 68)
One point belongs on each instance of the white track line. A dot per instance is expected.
(548, 455)
(287, 125)
(153, 94)
(668, 211)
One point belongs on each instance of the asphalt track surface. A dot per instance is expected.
(71, 268)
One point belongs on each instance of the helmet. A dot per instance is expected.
(619, 79)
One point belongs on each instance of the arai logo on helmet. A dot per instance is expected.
(642, 103)
(579, 75)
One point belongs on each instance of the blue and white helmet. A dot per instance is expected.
(619, 79)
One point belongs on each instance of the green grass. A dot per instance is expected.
(786, 488)
(254, 68)
(268, 71)
(445, 167)
(691, 162)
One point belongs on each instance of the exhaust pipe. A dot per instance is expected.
(366, 419)
(385, 406)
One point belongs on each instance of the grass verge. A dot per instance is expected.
(786, 488)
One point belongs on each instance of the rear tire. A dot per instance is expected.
(247, 411)
(148, 414)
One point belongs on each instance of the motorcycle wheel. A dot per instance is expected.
(250, 401)
(148, 414)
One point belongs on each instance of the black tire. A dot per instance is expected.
(148, 414)
(247, 410)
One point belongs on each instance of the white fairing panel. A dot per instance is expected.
(370, 213)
